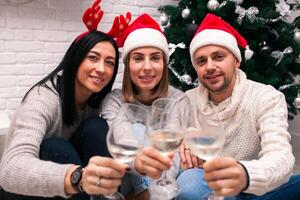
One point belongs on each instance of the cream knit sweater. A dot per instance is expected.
(255, 120)
(38, 117)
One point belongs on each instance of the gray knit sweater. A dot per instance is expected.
(38, 117)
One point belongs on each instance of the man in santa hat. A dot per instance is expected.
(256, 161)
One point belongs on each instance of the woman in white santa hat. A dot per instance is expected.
(145, 55)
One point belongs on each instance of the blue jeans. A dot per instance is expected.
(133, 183)
(87, 141)
(193, 187)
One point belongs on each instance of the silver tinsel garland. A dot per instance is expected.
(183, 78)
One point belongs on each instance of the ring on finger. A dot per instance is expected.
(186, 149)
(99, 181)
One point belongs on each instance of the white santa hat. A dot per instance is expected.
(215, 31)
(143, 31)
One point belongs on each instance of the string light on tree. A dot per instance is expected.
(186, 13)
(238, 2)
(213, 5)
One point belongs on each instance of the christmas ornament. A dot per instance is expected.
(164, 19)
(182, 78)
(250, 13)
(186, 78)
(279, 54)
(265, 50)
(213, 5)
(297, 36)
(191, 29)
(297, 101)
(185, 13)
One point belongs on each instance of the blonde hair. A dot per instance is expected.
(130, 91)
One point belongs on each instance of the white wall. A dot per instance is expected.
(35, 36)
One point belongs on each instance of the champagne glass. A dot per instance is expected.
(125, 138)
(165, 133)
(206, 139)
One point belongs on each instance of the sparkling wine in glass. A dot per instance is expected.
(166, 141)
(165, 131)
(206, 138)
(203, 143)
(125, 138)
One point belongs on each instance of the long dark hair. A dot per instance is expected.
(65, 84)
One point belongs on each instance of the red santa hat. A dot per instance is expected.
(215, 31)
(143, 31)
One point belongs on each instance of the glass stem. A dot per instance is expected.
(164, 175)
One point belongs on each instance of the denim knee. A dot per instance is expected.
(139, 183)
(134, 183)
(58, 150)
(192, 185)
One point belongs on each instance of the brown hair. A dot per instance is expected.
(129, 90)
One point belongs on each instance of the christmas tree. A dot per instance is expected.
(274, 41)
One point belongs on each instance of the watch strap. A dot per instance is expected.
(77, 183)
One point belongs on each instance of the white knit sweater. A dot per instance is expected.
(255, 120)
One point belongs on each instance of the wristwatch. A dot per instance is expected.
(76, 179)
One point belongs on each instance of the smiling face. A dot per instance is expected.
(96, 70)
(146, 66)
(216, 69)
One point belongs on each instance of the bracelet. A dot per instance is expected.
(247, 176)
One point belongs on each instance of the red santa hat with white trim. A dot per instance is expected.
(215, 31)
(143, 31)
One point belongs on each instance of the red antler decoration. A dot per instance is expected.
(92, 16)
(120, 25)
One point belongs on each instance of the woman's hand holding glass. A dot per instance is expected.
(152, 163)
(165, 133)
(125, 137)
(102, 175)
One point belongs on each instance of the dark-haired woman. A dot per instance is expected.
(56, 145)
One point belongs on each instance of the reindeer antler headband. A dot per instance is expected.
(93, 15)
